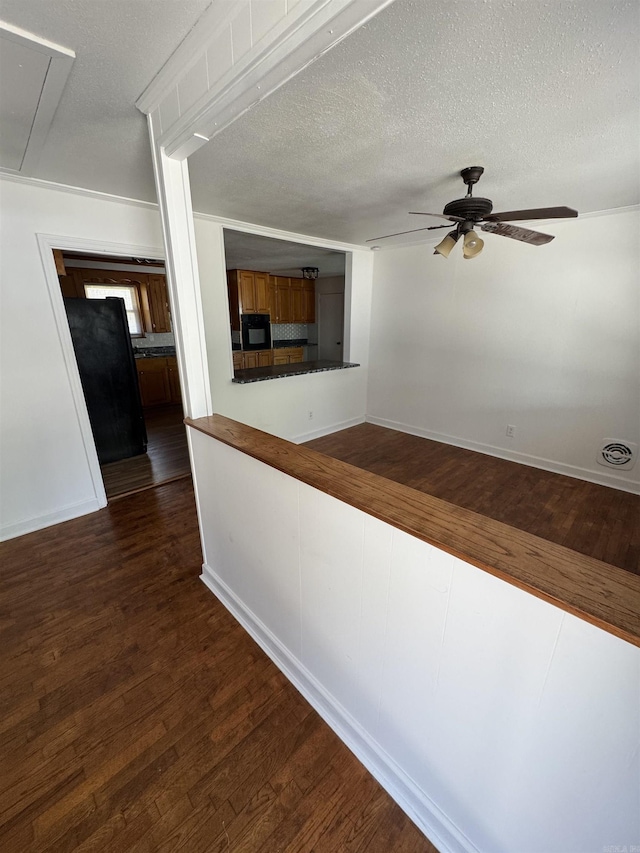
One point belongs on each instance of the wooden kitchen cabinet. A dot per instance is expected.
(158, 381)
(284, 313)
(293, 300)
(159, 315)
(272, 299)
(153, 380)
(297, 314)
(261, 287)
(151, 290)
(248, 294)
(288, 355)
(174, 379)
(256, 358)
(286, 300)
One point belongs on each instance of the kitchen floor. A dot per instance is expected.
(166, 459)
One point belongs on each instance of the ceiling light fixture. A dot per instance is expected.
(310, 272)
(445, 246)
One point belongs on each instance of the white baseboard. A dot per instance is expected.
(11, 531)
(318, 433)
(437, 827)
(601, 478)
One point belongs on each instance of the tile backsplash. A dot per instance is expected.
(293, 331)
(158, 340)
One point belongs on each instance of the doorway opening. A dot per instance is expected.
(127, 364)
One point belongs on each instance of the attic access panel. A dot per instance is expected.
(33, 74)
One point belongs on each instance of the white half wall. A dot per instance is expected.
(497, 721)
(546, 339)
(44, 469)
(281, 407)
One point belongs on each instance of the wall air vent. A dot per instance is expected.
(615, 453)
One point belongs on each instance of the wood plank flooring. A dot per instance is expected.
(598, 521)
(166, 459)
(136, 715)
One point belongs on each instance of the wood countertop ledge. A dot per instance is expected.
(597, 592)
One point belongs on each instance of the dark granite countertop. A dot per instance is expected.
(281, 371)
(153, 352)
(297, 342)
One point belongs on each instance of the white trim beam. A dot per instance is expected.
(233, 59)
(174, 199)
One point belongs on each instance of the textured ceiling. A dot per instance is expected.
(98, 139)
(279, 257)
(543, 94)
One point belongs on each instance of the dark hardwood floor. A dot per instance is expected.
(595, 520)
(166, 459)
(137, 715)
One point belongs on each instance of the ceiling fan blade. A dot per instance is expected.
(437, 215)
(534, 213)
(525, 235)
(412, 231)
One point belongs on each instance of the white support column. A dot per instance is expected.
(174, 199)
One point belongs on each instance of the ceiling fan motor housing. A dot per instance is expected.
(470, 208)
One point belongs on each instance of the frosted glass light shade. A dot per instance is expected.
(472, 245)
(445, 246)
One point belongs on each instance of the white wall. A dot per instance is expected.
(543, 338)
(499, 722)
(44, 469)
(281, 406)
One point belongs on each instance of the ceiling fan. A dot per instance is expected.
(468, 212)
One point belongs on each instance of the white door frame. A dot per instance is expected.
(46, 244)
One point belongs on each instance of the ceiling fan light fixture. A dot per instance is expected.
(445, 246)
(310, 273)
(472, 245)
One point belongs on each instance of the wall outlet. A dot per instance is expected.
(310, 416)
(511, 431)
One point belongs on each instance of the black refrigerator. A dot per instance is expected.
(102, 344)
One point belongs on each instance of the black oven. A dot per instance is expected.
(256, 331)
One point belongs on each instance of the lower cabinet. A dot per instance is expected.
(158, 381)
(257, 358)
(174, 380)
(267, 357)
(288, 355)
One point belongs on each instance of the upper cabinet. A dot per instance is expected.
(248, 294)
(159, 316)
(293, 300)
(286, 300)
(149, 300)
(284, 313)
